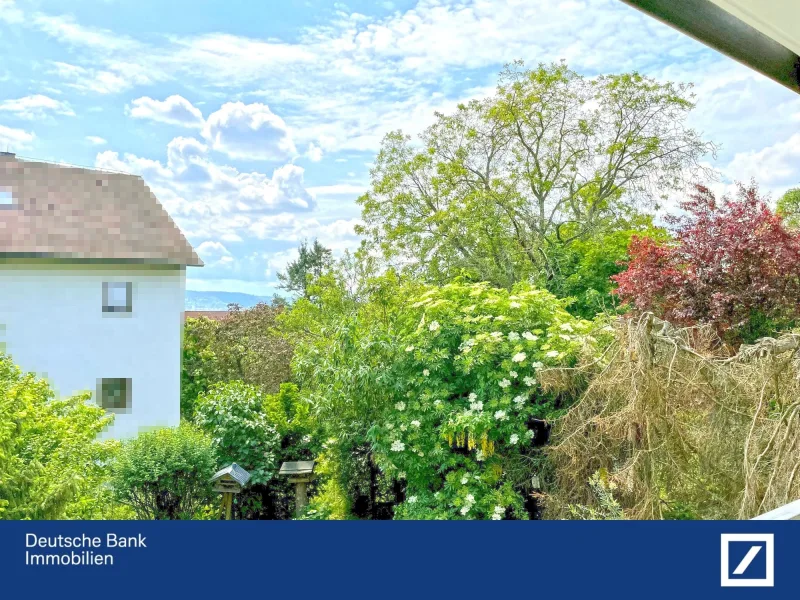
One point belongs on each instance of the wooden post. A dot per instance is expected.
(301, 497)
(229, 505)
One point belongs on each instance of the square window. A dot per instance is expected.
(6, 198)
(114, 394)
(117, 297)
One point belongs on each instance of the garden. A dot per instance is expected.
(556, 311)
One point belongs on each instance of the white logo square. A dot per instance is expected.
(768, 541)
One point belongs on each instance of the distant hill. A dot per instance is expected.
(220, 300)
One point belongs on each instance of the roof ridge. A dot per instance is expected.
(66, 164)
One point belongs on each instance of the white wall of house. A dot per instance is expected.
(52, 324)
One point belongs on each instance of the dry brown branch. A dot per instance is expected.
(681, 426)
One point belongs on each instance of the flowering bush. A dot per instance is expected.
(467, 397)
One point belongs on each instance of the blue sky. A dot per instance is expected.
(255, 123)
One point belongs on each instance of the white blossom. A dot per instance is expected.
(513, 374)
(477, 406)
(514, 439)
(470, 499)
(465, 509)
(564, 337)
(412, 499)
(479, 455)
(409, 348)
(426, 372)
(513, 336)
(519, 400)
(398, 446)
(504, 383)
(530, 337)
(566, 327)
(530, 433)
(421, 454)
(434, 326)
(437, 403)
(497, 334)
(415, 423)
(537, 365)
(464, 480)
(514, 304)
(552, 354)
(390, 426)
(402, 474)
(473, 396)
(529, 381)
(519, 357)
(403, 427)
(400, 406)
(500, 415)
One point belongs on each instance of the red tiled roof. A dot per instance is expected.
(214, 315)
(82, 214)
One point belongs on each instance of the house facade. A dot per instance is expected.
(92, 279)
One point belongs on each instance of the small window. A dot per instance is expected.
(114, 394)
(6, 198)
(117, 297)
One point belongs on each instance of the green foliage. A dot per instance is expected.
(788, 208)
(241, 347)
(165, 474)
(606, 506)
(344, 340)
(258, 431)
(48, 448)
(311, 263)
(233, 415)
(585, 267)
(505, 188)
(466, 396)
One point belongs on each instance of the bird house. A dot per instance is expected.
(300, 473)
(231, 479)
(297, 471)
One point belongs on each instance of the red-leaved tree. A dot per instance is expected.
(732, 264)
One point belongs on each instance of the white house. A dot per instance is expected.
(92, 277)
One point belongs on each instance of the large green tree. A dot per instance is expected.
(501, 188)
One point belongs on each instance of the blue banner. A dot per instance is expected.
(361, 559)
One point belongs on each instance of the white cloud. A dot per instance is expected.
(339, 189)
(175, 110)
(774, 166)
(14, 139)
(10, 13)
(35, 107)
(212, 201)
(96, 140)
(214, 254)
(314, 152)
(118, 77)
(249, 131)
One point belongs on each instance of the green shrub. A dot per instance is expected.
(233, 414)
(165, 474)
(48, 447)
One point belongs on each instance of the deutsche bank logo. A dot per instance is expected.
(748, 559)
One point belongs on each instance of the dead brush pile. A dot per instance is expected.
(679, 429)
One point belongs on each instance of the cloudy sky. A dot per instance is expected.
(255, 123)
